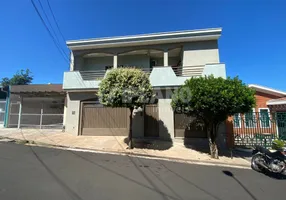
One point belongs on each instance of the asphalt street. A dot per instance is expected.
(36, 173)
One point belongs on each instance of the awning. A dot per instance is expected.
(39, 90)
(280, 101)
(277, 104)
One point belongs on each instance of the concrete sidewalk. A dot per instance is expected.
(116, 144)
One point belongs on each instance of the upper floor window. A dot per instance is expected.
(250, 119)
(264, 118)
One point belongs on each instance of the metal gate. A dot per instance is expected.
(97, 120)
(2, 112)
(151, 121)
(188, 127)
(258, 128)
(281, 124)
(36, 115)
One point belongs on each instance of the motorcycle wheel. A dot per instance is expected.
(282, 169)
(254, 162)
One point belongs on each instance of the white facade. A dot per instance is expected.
(170, 58)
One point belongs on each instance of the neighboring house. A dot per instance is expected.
(36, 106)
(3, 106)
(268, 118)
(265, 96)
(170, 58)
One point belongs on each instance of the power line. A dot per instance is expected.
(51, 35)
(49, 21)
(51, 27)
(47, 28)
(56, 20)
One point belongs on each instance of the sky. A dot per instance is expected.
(252, 45)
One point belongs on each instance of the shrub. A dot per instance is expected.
(278, 144)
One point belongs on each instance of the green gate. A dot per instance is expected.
(258, 128)
(281, 124)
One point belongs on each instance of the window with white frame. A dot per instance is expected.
(236, 120)
(264, 116)
(250, 119)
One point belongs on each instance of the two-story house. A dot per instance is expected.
(169, 58)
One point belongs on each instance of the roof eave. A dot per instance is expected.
(267, 90)
(159, 38)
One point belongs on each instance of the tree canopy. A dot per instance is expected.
(22, 77)
(125, 87)
(212, 100)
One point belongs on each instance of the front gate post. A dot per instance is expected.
(20, 113)
(41, 118)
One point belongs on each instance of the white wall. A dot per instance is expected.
(138, 124)
(73, 110)
(166, 114)
(217, 70)
(200, 53)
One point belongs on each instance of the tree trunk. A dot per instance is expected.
(213, 149)
(212, 144)
(130, 143)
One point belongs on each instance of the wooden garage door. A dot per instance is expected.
(104, 121)
(188, 127)
(151, 121)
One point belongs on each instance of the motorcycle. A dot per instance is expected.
(263, 159)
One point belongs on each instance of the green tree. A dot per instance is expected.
(125, 87)
(212, 100)
(22, 77)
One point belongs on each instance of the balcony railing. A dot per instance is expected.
(99, 74)
(189, 71)
(92, 75)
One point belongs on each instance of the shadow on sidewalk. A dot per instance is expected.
(156, 137)
(202, 145)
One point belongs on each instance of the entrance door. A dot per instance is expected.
(281, 124)
(2, 112)
(151, 121)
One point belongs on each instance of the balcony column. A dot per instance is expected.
(115, 61)
(71, 61)
(166, 58)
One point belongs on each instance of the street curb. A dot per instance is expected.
(146, 156)
(243, 150)
(180, 160)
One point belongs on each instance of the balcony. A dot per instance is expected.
(188, 71)
(159, 76)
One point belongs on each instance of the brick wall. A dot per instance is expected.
(261, 100)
